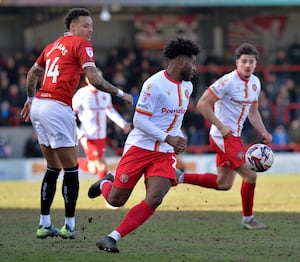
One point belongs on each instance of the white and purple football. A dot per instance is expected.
(259, 157)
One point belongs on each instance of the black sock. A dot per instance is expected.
(70, 189)
(48, 189)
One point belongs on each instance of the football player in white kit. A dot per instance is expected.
(92, 107)
(226, 104)
(151, 147)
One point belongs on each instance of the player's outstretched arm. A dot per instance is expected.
(100, 83)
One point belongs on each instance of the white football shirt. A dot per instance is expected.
(92, 108)
(159, 112)
(235, 97)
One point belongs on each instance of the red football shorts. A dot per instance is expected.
(94, 148)
(233, 155)
(138, 161)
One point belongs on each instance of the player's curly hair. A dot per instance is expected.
(73, 14)
(246, 49)
(181, 46)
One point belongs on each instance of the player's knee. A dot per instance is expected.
(154, 201)
(250, 176)
(116, 201)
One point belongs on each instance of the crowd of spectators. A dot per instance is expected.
(128, 67)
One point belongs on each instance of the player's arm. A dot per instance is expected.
(113, 114)
(33, 76)
(116, 117)
(100, 83)
(205, 105)
(143, 123)
(257, 122)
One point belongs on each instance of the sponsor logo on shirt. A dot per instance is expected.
(242, 102)
(176, 111)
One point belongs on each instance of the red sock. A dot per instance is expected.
(247, 194)
(208, 180)
(83, 164)
(106, 188)
(135, 217)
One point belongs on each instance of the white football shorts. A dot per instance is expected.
(54, 123)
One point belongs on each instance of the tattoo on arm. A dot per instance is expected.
(32, 79)
(99, 82)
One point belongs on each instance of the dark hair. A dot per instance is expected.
(73, 14)
(246, 49)
(180, 46)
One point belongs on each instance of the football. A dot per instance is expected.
(259, 157)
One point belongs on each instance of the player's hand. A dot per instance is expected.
(128, 98)
(226, 131)
(266, 138)
(25, 113)
(179, 143)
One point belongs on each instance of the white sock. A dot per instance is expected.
(70, 221)
(115, 235)
(247, 218)
(45, 220)
(180, 179)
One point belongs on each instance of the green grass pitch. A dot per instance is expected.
(192, 224)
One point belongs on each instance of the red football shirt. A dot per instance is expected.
(63, 62)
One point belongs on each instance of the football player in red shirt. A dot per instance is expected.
(59, 69)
